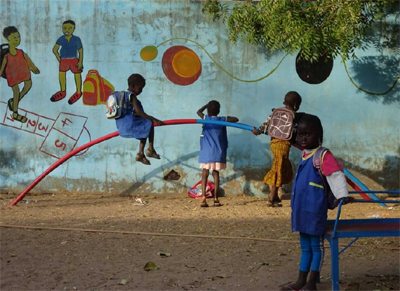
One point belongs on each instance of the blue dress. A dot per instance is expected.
(308, 202)
(130, 125)
(213, 142)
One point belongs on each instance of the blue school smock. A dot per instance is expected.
(213, 142)
(130, 125)
(308, 202)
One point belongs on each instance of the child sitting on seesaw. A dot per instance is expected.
(135, 123)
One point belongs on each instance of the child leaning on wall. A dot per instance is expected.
(18, 67)
(281, 171)
(213, 148)
(309, 201)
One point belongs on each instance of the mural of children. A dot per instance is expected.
(69, 53)
(18, 66)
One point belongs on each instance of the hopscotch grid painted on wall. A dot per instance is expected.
(60, 134)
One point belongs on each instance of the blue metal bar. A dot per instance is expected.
(361, 185)
(337, 218)
(366, 201)
(334, 243)
(356, 228)
(349, 245)
(226, 123)
(377, 191)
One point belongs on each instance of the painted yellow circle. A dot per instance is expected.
(148, 53)
(186, 63)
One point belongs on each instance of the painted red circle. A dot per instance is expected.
(169, 70)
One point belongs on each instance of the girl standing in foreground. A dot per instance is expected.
(309, 201)
(213, 147)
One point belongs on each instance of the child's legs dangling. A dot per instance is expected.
(140, 157)
(151, 138)
(151, 152)
(142, 144)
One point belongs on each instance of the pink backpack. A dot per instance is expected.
(280, 123)
(195, 191)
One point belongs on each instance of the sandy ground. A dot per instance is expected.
(108, 242)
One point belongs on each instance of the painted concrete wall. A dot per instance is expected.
(361, 128)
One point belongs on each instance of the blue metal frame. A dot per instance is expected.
(356, 228)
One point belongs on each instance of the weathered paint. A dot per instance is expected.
(361, 128)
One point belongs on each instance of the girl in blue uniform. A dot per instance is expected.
(135, 123)
(309, 201)
(213, 147)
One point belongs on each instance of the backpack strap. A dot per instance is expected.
(121, 99)
(318, 157)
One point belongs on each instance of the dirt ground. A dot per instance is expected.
(167, 242)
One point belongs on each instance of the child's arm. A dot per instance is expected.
(200, 111)
(332, 170)
(232, 119)
(80, 62)
(263, 128)
(31, 65)
(56, 47)
(3, 66)
(141, 113)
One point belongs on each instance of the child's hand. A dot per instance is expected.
(157, 122)
(35, 70)
(255, 131)
(346, 200)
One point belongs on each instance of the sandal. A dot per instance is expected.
(270, 204)
(152, 154)
(20, 118)
(204, 204)
(74, 98)
(217, 203)
(141, 158)
(58, 96)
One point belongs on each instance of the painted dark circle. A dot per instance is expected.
(316, 72)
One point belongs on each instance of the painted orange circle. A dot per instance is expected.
(181, 65)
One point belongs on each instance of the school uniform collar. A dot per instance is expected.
(306, 154)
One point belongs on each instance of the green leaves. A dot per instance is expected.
(316, 28)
